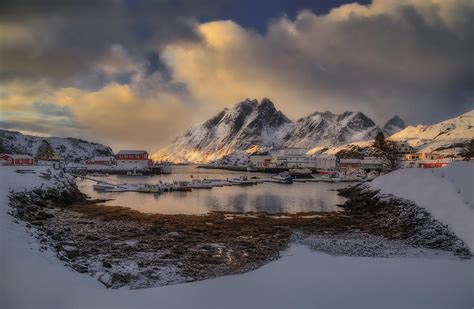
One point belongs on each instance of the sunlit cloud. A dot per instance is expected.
(155, 76)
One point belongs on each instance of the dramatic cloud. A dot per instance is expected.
(136, 73)
(413, 58)
(60, 40)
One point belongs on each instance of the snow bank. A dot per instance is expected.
(446, 193)
(301, 279)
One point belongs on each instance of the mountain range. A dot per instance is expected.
(253, 126)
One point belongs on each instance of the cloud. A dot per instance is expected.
(412, 58)
(137, 73)
(60, 40)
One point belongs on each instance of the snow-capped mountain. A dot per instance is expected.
(328, 129)
(249, 125)
(252, 126)
(448, 136)
(69, 149)
(394, 125)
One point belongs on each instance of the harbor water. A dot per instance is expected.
(264, 197)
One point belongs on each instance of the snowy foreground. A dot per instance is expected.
(300, 279)
(446, 193)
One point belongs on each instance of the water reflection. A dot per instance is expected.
(267, 197)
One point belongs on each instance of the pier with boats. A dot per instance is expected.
(162, 186)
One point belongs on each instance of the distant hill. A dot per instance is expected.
(69, 149)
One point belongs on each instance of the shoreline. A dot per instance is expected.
(123, 247)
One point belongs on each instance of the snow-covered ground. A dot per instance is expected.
(300, 279)
(446, 193)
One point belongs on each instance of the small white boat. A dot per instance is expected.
(101, 186)
(181, 186)
(283, 177)
(252, 169)
(333, 177)
(150, 189)
(200, 184)
(243, 181)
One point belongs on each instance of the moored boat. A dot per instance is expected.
(332, 177)
(283, 177)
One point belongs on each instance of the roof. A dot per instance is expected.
(17, 156)
(131, 152)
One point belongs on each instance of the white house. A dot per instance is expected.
(325, 162)
(291, 158)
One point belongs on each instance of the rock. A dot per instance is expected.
(70, 251)
(106, 264)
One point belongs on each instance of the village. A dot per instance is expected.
(286, 166)
(292, 158)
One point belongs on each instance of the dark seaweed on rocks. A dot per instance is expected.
(396, 218)
(122, 247)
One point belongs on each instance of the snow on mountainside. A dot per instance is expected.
(246, 125)
(328, 129)
(251, 126)
(444, 137)
(450, 137)
(70, 149)
(394, 125)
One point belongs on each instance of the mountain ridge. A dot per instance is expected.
(251, 126)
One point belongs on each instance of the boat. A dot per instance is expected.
(200, 184)
(332, 177)
(300, 172)
(252, 169)
(181, 186)
(25, 171)
(150, 189)
(134, 173)
(102, 186)
(283, 177)
(243, 181)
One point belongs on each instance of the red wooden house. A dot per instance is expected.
(16, 159)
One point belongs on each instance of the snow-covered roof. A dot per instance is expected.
(16, 156)
(121, 152)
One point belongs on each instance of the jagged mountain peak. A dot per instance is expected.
(394, 125)
(259, 125)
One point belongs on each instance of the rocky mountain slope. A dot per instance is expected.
(70, 149)
(327, 129)
(251, 126)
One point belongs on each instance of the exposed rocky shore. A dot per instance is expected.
(122, 247)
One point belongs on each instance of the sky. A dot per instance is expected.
(136, 73)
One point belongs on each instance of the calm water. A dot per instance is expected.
(266, 197)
